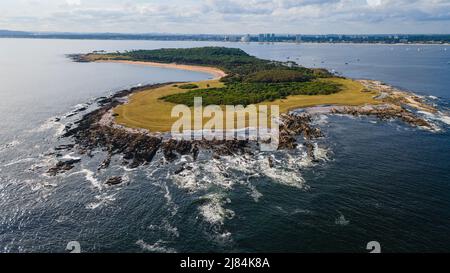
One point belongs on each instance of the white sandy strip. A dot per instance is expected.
(217, 73)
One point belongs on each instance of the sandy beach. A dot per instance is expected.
(217, 73)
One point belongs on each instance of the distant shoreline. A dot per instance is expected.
(237, 42)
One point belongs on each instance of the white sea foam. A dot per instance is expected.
(341, 221)
(9, 145)
(167, 227)
(171, 229)
(222, 238)
(254, 193)
(321, 120)
(90, 176)
(50, 124)
(445, 119)
(19, 161)
(284, 177)
(301, 211)
(300, 161)
(187, 179)
(195, 177)
(102, 199)
(213, 210)
(44, 163)
(76, 109)
(157, 247)
(71, 157)
(439, 116)
(320, 153)
(224, 173)
(168, 196)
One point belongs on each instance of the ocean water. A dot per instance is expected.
(377, 181)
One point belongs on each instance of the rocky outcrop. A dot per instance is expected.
(139, 148)
(97, 130)
(78, 58)
(63, 166)
(113, 181)
(384, 112)
(295, 125)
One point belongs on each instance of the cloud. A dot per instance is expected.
(229, 16)
(72, 3)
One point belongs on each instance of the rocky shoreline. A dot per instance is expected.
(98, 130)
(384, 112)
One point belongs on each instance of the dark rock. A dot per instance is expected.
(105, 164)
(63, 166)
(385, 113)
(140, 148)
(270, 160)
(113, 181)
(310, 151)
(65, 147)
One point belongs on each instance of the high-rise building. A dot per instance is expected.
(261, 38)
(246, 38)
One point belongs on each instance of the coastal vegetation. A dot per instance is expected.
(252, 93)
(146, 110)
(188, 86)
(239, 65)
(248, 80)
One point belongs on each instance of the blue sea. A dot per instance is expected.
(378, 181)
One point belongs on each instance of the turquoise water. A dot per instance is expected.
(382, 181)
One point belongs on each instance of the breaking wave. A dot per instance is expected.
(213, 208)
(50, 124)
(157, 247)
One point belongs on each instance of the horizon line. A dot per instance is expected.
(217, 34)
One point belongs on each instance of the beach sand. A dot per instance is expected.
(217, 73)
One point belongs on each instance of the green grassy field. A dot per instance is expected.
(246, 80)
(146, 110)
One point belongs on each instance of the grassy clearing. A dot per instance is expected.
(353, 93)
(146, 110)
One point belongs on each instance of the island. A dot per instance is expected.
(136, 123)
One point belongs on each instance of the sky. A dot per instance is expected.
(228, 16)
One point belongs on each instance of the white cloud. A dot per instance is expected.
(229, 16)
(73, 2)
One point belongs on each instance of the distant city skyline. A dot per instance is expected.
(229, 16)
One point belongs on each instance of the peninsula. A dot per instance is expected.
(136, 123)
(239, 79)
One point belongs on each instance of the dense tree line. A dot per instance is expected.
(237, 63)
(250, 79)
(252, 93)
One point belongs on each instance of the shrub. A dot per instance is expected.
(188, 86)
